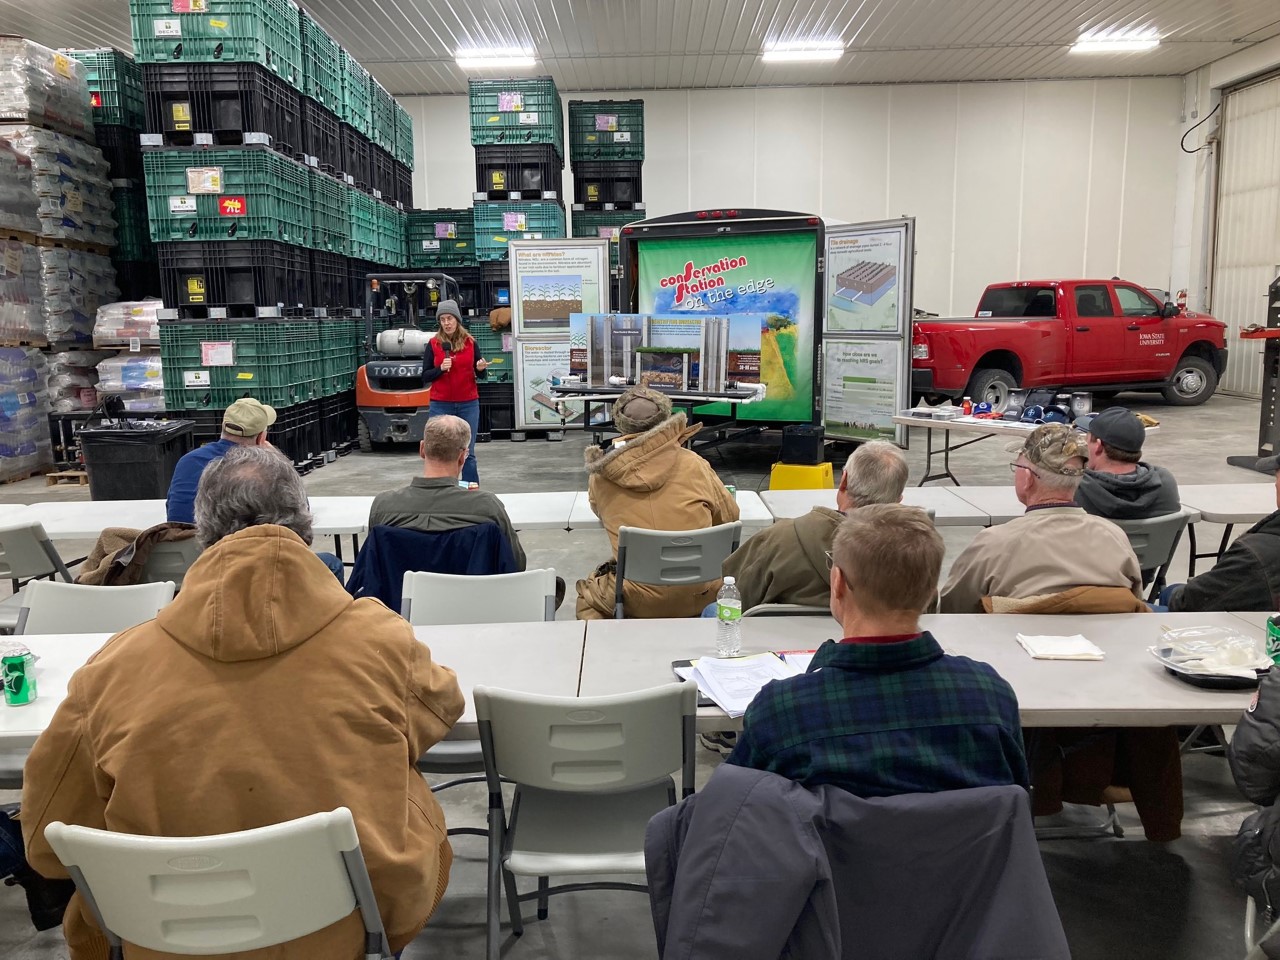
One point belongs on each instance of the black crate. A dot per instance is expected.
(495, 285)
(133, 464)
(404, 185)
(382, 173)
(226, 101)
(320, 137)
(329, 274)
(497, 410)
(122, 150)
(338, 419)
(530, 171)
(296, 432)
(230, 273)
(137, 279)
(469, 286)
(598, 182)
(357, 270)
(354, 147)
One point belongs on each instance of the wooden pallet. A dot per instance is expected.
(26, 475)
(39, 344)
(65, 243)
(78, 477)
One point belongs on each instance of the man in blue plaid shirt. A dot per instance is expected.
(884, 711)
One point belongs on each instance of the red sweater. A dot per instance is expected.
(459, 384)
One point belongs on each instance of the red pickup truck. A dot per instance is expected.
(1099, 335)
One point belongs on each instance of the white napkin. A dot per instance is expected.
(1074, 647)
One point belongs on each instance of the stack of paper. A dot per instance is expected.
(1074, 647)
(733, 683)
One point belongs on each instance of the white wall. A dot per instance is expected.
(1006, 180)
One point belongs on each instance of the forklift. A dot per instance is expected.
(391, 400)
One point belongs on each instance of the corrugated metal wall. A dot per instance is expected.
(1247, 256)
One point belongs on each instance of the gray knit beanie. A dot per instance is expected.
(448, 307)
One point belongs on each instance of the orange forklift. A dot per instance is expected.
(400, 311)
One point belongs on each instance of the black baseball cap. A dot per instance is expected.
(1118, 427)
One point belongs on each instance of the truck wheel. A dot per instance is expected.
(993, 386)
(362, 437)
(1193, 382)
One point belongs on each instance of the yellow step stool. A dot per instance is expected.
(795, 476)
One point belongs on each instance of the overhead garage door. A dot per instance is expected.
(1247, 257)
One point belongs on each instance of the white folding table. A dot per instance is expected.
(949, 509)
(751, 512)
(1228, 504)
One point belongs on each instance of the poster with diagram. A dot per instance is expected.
(553, 279)
(862, 388)
(538, 362)
(868, 278)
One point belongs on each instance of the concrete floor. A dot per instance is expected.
(1119, 899)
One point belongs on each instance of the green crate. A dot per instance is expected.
(606, 130)
(404, 136)
(330, 216)
(259, 195)
(356, 107)
(430, 244)
(390, 225)
(115, 87)
(362, 216)
(491, 343)
(321, 63)
(604, 224)
(133, 234)
(277, 362)
(497, 223)
(516, 111)
(382, 112)
(219, 31)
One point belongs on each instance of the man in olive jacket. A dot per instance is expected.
(787, 562)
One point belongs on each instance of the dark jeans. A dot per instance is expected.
(468, 410)
(334, 565)
(1162, 603)
(11, 850)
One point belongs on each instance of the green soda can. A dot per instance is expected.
(1273, 638)
(17, 668)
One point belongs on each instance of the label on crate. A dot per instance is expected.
(135, 344)
(607, 121)
(446, 231)
(182, 204)
(533, 236)
(430, 244)
(204, 179)
(166, 28)
(195, 290)
(194, 379)
(218, 24)
(497, 179)
(181, 113)
(218, 353)
(190, 6)
(244, 375)
(232, 207)
(593, 192)
(95, 99)
(73, 200)
(529, 119)
(591, 138)
(513, 221)
(510, 102)
(608, 233)
(621, 137)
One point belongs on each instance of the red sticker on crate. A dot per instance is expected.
(232, 207)
(95, 98)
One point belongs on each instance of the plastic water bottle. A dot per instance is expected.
(729, 617)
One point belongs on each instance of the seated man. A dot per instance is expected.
(1055, 546)
(646, 478)
(787, 562)
(263, 693)
(1246, 577)
(1116, 484)
(884, 711)
(434, 502)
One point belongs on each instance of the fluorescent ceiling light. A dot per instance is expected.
(1119, 41)
(495, 57)
(804, 52)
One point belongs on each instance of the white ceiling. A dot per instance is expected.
(655, 44)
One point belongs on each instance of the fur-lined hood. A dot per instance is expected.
(645, 460)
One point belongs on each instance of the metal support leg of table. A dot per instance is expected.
(946, 449)
(1191, 541)
(355, 548)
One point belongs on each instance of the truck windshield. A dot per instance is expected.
(1018, 302)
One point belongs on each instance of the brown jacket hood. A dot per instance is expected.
(645, 461)
(252, 595)
(1077, 600)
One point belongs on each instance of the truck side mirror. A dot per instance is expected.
(1169, 310)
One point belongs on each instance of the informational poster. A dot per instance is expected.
(862, 388)
(868, 279)
(552, 279)
(538, 362)
(771, 276)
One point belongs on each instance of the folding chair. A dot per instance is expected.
(786, 610)
(170, 560)
(51, 607)
(442, 598)
(589, 772)
(230, 893)
(672, 557)
(26, 553)
(1154, 541)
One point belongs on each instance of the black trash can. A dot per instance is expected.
(134, 461)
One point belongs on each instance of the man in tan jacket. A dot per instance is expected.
(261, 694)
(648, 479)
(1055, 546)
(787, 562)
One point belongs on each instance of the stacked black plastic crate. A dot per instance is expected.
(606, 149)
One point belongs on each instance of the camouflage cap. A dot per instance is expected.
(1052, 447)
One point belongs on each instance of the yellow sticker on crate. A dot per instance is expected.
(181, 112)
(244, 375)
(62, 65)
(218, 24)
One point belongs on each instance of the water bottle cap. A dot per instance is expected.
(729, 580)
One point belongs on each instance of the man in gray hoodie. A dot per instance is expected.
(1117, 485)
